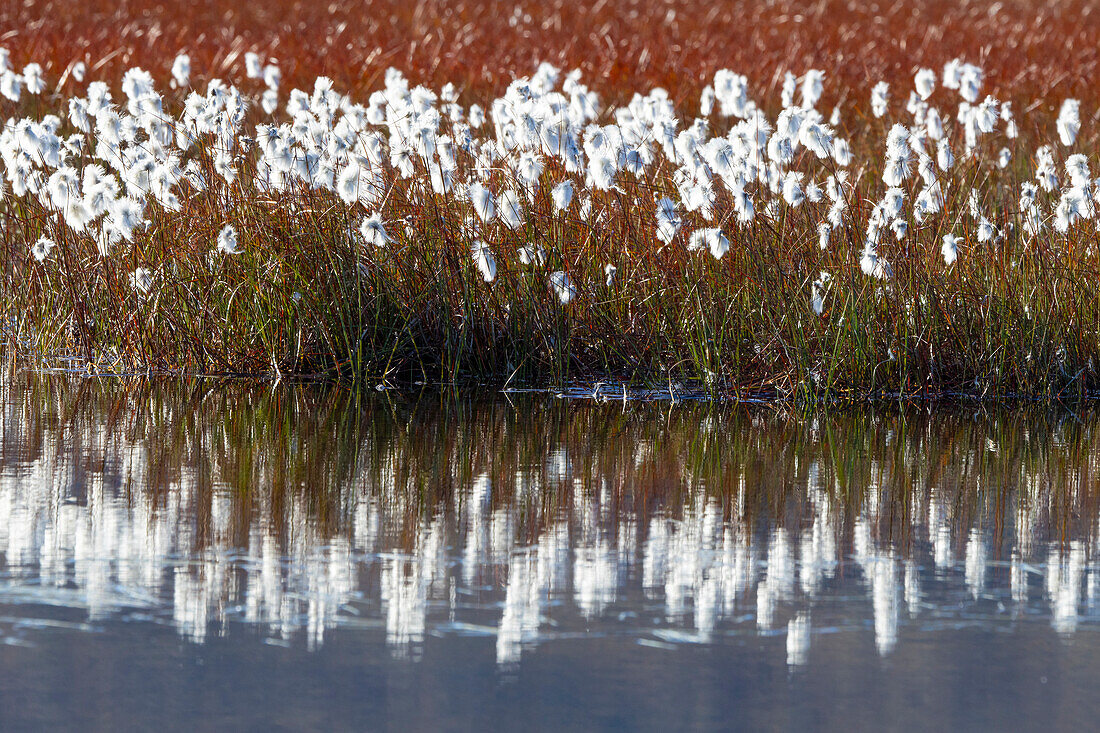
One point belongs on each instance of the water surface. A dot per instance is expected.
(186, 555)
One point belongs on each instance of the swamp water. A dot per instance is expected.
(199, 555)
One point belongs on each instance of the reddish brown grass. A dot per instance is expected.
(1029, 49)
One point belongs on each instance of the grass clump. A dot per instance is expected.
(401, 233)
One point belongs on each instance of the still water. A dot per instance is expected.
(204, 555)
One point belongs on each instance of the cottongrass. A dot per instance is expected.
(941, 242)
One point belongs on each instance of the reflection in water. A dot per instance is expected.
(298, 510)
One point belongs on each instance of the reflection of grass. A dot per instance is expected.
(299, 458)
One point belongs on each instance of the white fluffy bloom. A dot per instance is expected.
(269, 101)
(930, 199)
(986, 115)
(792, 189)
(925, 83)
(373, 230)
(952, 74)
(562, 195)
(563, 287)
(899, 227)
(668, 222)
(529, 168)
(986, 230)
(933, 124)
(817, 292)
(352, 182)
(842, 152)
(711, 238)
(969, 81)
(790, 83)
(1069, 121)
(875, 266)
(141, 280)
(532, 254)
(1077, 168)
(41, 248)
(32, 78)
(706, 101)
(880, 95)
(892, 203)
(817, 138)
(272, 77)
(482, 201)
(476, 116)
(812, 86)
(511, 212)
(950, 248)
(483, 258)
(944, 157)
(253, 68)
(227, 240)
(609, 271)
(1045, 172)
(11, 85)
(181, 70)
(742, 205)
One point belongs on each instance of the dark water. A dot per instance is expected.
(221, 556)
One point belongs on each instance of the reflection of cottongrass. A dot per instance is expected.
(884, 595)
(519, 622)
(798, 640)
(1065, 571)
(404, 596)
(311, 556)
(976, 562)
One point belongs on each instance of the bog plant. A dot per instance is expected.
(907, 240)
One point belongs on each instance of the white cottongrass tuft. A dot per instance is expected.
(181, 70)
(986, 230)
(227, 240)
(41, 248)
(925, 83)
(875, 266)
(792, 189)
(483, 258)
(609, 271)
(373, 230)
(900, 228)
(880, 95)
(482, 201)
(511, 212)
(950, 249)
(1069, 121)
(141, 280)
(532, 254)
(562, 195)
(253, 67)
(32, 78)
(813, 84)
(668, 222)
(563, 287)
(817, 292)
(711, 238)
